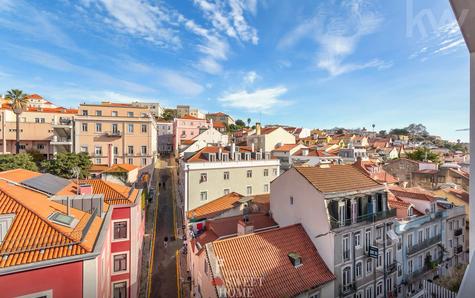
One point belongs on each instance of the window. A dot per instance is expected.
(346, 276)
(410, 240)
(84, 127)
(379, 288)
(84, 112)
(130, 128)
(40, 146)
(130, 150)
(114, 114)
(98, 160)
(367, 239)
(5, 223)
(420, 236)
(226, 191)
(84, 149)
(451, 225)
(291, 200)
(98, 113)
(144, 128)
(379, 260)
(131, 161)
(120, 230)
(274, 171)
(249, 174)
(314, 295)
(144, 162)
(115, 128)
(379, 233)
(120, 289)
(226, 175)
(369, 266)
(359, 270)
(130, 114)
(266, 172)
(369, 292)
(98, 150)
(266, 187)
(359, 295)
(410, 266)
(203, 177)
(357, 239)
(427, 232)
(203, 196)
(144, 150)
(389, 257)
(346, 247)
(98, 127)
(120, 262)
(116, 150)
(249, 190)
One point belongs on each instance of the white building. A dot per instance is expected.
(165, 136)
(269, 138)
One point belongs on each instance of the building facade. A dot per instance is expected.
(215, 171)
(116, 134)
(165, 136)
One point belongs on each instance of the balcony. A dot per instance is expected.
(428, 267)
(369, 218)
(348, 288)
(113, 134)
(424, 244)
(392, 267)
(458, 249)
(62, 123)
(458, 232)
(56, 140)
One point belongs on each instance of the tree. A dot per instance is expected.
(417, 130)
(17, 161)
(248, 122)
(168, 114)
(399, 131)
(19, 103)
(423, 154)
(240, 123)
(64, 163)
(37, 156)
(373, 126)
(382, 133)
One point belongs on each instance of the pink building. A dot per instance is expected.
(186, 128)
(104, 262)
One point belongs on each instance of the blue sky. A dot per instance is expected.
(308, 63)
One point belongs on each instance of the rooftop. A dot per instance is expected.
(266, 255)
(337, 178)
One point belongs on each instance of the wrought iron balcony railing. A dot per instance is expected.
(424, 244)
(370, 217)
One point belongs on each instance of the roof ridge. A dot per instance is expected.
(270, 229)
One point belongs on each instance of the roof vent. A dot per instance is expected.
(295, 259)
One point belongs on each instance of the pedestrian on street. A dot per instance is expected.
(165, 242)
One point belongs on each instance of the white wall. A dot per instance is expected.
(308, 209)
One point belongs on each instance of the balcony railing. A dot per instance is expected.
(424, 244)
(429, 266)
(458, 232)
(348, 288)
(392, 267)
(115, 133)
(370, 217)
(458, 249)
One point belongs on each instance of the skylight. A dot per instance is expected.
(5, 223)
(63, 219)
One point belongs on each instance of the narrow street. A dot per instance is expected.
(164, 268)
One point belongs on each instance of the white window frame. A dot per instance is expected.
(357, 235)
(201, 197)
(370, 290)
(266, 188)
(117, 282)
(113, 230)
(127, 253)
(247, 188)
(358, 277)
(47, 294)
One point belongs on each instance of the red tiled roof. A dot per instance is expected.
(337, 178)
(189, 117)
(266, 255)
(215, 207)
(412, 193)
(121, 168)
(218, 124)
(315, 152)
(45, 110)
(35, 96)
(286, 147)
(98, 168)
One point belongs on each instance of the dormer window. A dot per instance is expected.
(247, 156)
(225, 157)
(203, 177)
(5, 223)
(410, 211)
(267, 156)
(295, 259)
(258, 156)
(212, 157)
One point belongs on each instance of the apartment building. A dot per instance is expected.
(220, 117)
(114, 133)
(269, 138)
(125, 225)
(47, 130)
(187, 128)
(215, 171)
(49, 249)
(155, 107)
(183, 110)
(346, 215)
(165, 136)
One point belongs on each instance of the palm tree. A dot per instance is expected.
(248, 122)
(18, 103)
(373, 125)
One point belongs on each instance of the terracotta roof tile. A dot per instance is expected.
(215, 207)
(189, 117)
(32, 237)
(286, 147)
(337, 178)
(98, 168)
(18, 175)
(412, 193)
(265, 255)
(121, 168)
(218, 124)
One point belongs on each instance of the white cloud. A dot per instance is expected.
(230, 19)
(250, 77)
(180, 84)
(337, 33)
(152, 22)
(262, 100)
(6, 5)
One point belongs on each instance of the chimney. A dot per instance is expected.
(245, 226)
(85, 189)
(252, 147)
(258, 128)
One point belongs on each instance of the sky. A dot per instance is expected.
(307, 63)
